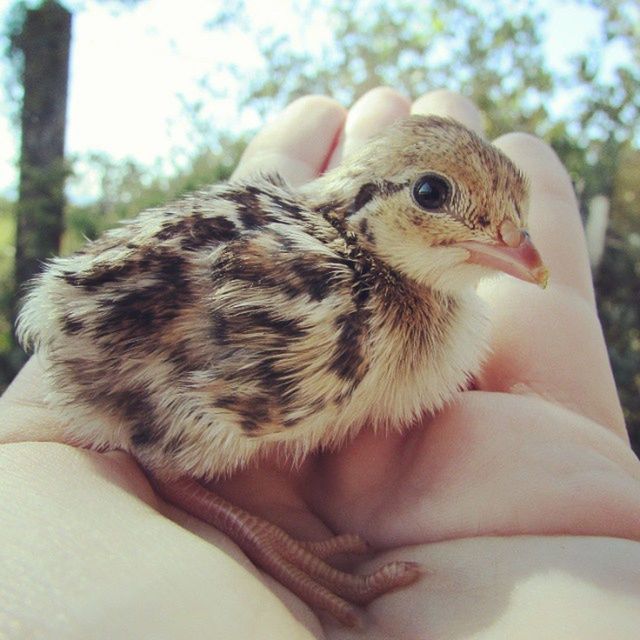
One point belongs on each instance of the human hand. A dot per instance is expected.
(517, 498)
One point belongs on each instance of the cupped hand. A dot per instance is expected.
(521, 499)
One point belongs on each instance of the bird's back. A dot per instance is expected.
(223, 321)
(236, 321)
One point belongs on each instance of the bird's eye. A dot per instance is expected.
(431, 192)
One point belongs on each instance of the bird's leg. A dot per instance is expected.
(299, 566)
(345, 543)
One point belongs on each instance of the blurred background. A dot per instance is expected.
(113, 106)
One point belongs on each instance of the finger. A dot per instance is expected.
(298, 143)
(23, 406)
(449, 104)
(374, 111)
(72, 518)
(554, 221)
(550, 342)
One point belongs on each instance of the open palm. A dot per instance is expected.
(521, 499)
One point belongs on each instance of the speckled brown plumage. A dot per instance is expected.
(255, 317)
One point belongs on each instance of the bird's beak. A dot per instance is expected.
(514, 254)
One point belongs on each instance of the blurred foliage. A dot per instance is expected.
(494, 55)
(10, 357)
(126, 188)
(618, 285)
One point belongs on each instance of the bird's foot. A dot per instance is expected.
(299, 566)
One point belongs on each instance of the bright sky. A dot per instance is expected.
(128, 69)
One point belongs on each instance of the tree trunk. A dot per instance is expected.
(45, 41)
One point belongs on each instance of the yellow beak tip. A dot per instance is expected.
(543, 278)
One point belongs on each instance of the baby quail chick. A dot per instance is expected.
(254, 318)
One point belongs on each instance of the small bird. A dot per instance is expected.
(254, 318)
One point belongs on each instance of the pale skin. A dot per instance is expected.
(521, 499)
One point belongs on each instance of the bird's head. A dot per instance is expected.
(439, 204)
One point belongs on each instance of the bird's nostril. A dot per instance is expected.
(511, 235)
